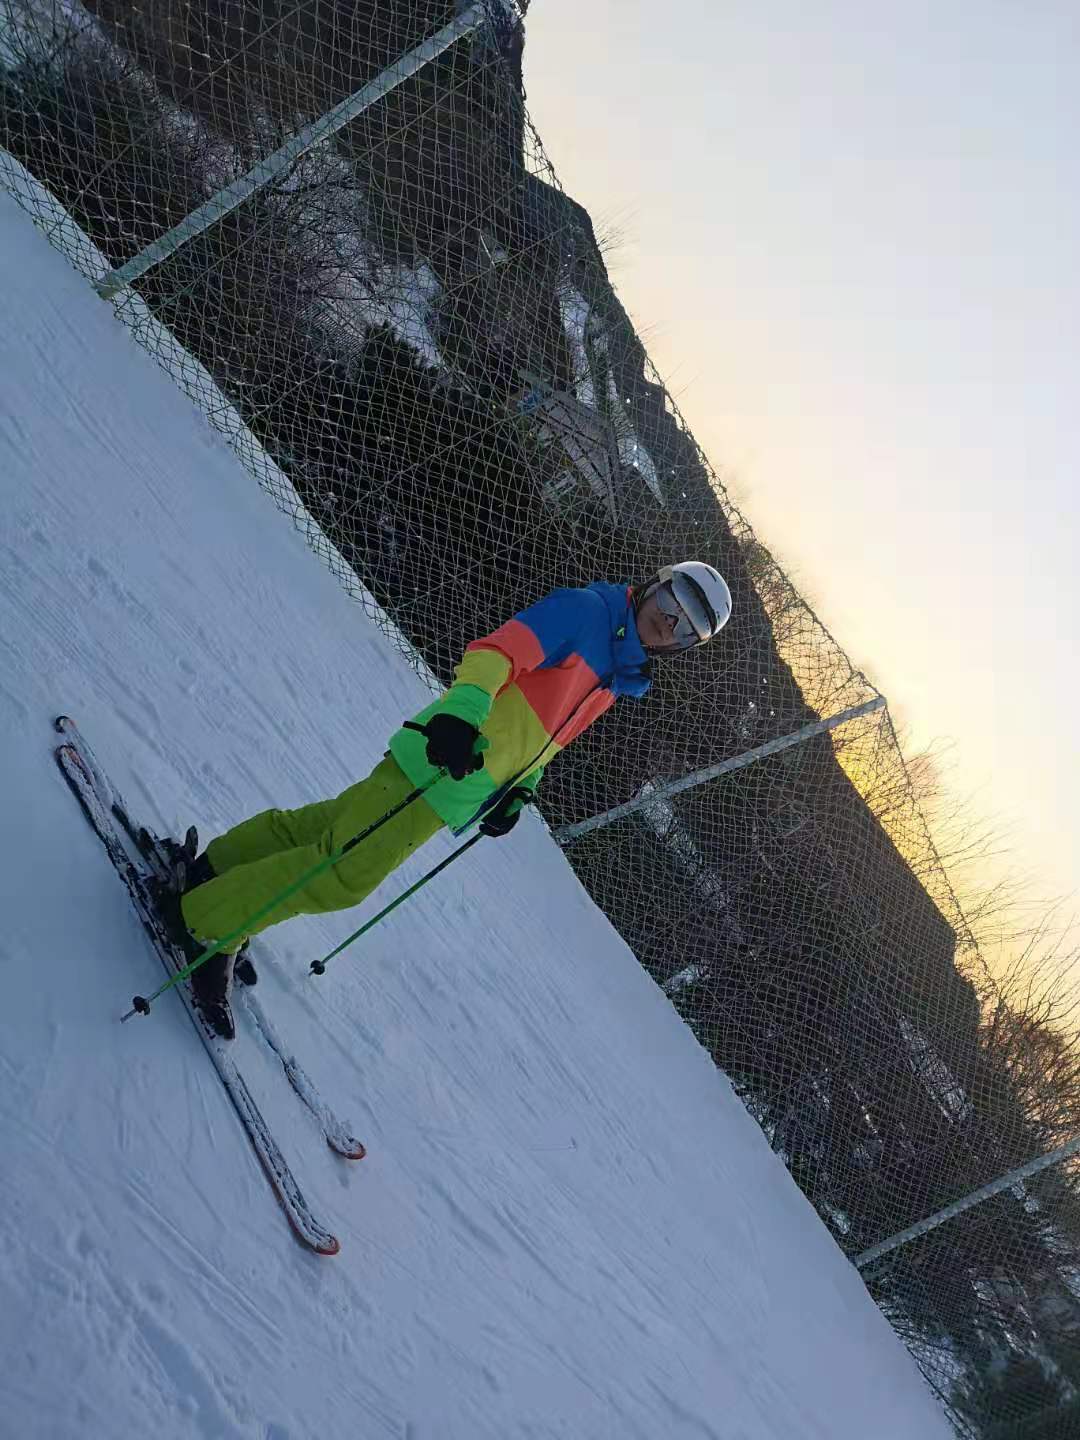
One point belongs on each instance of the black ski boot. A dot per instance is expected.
(177, 850)
(244, 969)
(191, 872)
(211, 986)
(211, 983)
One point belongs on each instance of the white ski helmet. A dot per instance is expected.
(696, 596)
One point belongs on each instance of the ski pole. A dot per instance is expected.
(140, 1004)
(318, 967)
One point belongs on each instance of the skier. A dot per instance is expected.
(519, 696)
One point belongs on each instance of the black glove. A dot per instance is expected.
(502, 819)
(450, 746)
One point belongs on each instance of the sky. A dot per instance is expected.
(850, 238)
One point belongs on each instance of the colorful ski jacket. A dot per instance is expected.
(531, 687)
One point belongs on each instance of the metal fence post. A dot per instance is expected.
(976, 1197)
(725, 767)
(234, 195)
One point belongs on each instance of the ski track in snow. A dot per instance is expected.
(566, 1226)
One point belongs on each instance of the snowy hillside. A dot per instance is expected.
(566, 1224)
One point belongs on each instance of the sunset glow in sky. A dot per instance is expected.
(852, 236)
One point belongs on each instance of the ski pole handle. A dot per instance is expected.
(480, 744)
(482, 741)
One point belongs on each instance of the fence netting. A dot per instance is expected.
(416, 326)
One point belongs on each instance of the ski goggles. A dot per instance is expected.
(683, 600)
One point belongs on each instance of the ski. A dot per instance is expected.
(67, 727)
(79, 772)
(147, 843)
(337, 1135)
(153, 850)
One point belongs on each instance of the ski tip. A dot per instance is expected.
(63, 723)
(307, 1230)
(351, 1150)
(67, 756)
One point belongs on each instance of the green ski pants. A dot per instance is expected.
(260, 857)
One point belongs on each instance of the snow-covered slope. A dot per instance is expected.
(566, 1226)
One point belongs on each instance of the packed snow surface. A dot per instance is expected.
(566, 1226)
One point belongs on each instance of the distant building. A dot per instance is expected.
(594, 467)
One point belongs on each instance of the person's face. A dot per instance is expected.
(655, 628)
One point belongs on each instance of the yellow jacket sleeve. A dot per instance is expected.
(477, 680)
